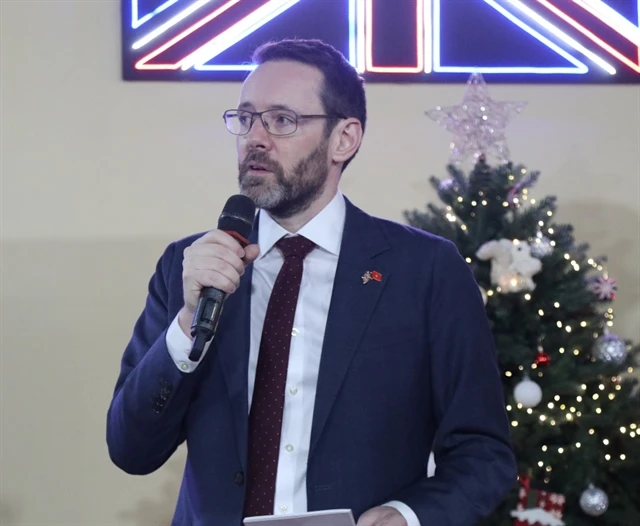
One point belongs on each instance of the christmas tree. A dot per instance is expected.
(570, 387)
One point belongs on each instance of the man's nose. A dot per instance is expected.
(258, 136)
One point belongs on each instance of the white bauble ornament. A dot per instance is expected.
(593, 501)
(527, 393)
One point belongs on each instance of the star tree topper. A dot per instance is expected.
(478, 123)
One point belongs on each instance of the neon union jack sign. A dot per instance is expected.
(583, 41)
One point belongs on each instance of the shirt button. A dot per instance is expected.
(283, 508)
(293, 390)
(289, 448)
(184, 366)
(294, 332)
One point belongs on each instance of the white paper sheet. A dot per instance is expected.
(312, 518)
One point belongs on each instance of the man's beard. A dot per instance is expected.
(290, 193)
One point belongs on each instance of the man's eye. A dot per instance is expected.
(284, 119)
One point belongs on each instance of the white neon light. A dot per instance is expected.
(613, 19)
(557, 32)
(428, 35)
(578, 69)
(227, 67)
(172, 22)
(360, 36)
(352, 34)
(137, 22)
(235, 33)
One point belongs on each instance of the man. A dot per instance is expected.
(348, 349)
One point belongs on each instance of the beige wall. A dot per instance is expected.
(99, 175)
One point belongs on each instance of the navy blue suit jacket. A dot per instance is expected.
(408, 366)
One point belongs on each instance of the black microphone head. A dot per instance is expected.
(237, 216)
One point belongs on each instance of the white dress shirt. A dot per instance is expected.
(325, 230)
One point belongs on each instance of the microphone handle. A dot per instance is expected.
(205, 319)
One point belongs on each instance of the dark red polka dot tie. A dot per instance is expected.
(265, 418)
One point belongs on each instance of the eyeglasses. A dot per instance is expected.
(277, 122)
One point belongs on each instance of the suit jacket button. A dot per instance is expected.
(239, 478)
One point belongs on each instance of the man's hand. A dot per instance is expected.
(382, 516)
(214, 260)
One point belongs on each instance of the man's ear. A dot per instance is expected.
(347, 137)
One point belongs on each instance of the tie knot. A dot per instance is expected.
(295, 246)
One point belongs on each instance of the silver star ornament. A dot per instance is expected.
(478, 124)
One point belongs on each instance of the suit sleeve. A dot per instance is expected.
(151, 397)
(475, 464)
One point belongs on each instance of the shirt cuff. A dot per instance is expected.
(408, 514)
(179, 347)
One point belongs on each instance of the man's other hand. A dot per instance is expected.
(382, 516)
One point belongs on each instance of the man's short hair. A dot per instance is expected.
(342, 92)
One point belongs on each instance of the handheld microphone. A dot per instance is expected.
(236, 220)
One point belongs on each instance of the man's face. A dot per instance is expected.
(284, 175)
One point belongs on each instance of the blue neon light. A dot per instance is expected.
(137, 22)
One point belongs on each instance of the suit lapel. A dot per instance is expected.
(352, 304)
(233, 351)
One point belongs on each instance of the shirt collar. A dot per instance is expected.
(325, 229)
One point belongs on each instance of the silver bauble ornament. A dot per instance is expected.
(527, 393)
(593, 501)
(610, 348)
(541, 246)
